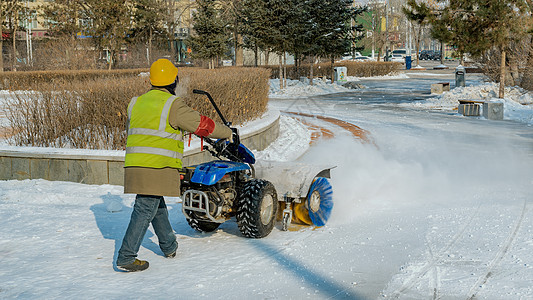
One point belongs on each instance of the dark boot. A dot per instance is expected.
(172, 254)
(137, 265)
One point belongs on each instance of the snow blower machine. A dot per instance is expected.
(257, 194)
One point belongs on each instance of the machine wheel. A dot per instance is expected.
(257, 208)
(203, 226)
(318, 204)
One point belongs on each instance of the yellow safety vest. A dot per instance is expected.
(152, 142)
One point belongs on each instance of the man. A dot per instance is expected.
(157, 121)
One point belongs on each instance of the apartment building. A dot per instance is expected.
(34, 24)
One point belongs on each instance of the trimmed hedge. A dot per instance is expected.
(27, 80)
(240, 93)
(88, 110)
(358, 69)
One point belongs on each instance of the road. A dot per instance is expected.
(440, 207)
(437, 206)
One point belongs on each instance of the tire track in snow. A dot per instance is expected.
(435, 276)
(432, 263)
(499, 256)
(355, 130)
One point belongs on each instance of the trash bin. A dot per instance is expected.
(340, 74)
(460, 76)
(408, 62)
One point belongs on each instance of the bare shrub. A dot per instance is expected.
(65, 53)
(88, 115)
(92, 113)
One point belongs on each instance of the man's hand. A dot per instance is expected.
(230, 139)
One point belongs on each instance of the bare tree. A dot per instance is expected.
(6, 9)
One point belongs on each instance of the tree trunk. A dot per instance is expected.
(14, 24)
(14, 57)
(239, 54)
(280, 72)
(150, 46)
(256, 54)
(515, 72)
(502, 76)
(284, 69)
(381, 50)
(442, 53)
(111, 60)
(311, 70)
(418, 44)
(173, 53)
(332, 69)
(1, 47)
(1, 39)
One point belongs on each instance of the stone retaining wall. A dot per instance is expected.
(100, 169)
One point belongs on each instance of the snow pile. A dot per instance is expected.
(296, 88)
(292, 142)
(395, 75)
(517, 102)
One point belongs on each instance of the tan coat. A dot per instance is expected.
(166, 182)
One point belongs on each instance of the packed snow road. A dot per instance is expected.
(438, 206)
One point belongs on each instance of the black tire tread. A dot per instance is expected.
(248, 215)
(203, 226)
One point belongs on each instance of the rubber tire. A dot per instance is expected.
(203, 226)
(249, 206)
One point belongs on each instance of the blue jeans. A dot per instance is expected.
(147, 209)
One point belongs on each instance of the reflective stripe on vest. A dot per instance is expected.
(154, 148)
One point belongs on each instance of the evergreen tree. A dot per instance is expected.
(502, 18)
(253, 25)
(300, 27)
(149, 17)
(337, 34)
(457, 26)
(230, 12)
(210, 38)
(474, 26)
(111, 22)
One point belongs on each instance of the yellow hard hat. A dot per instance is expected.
(163, 72)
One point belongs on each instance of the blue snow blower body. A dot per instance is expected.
(236, 186)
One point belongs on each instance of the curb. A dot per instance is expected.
(107, 167)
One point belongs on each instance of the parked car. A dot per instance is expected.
(362, 58)
(436, 55)
(426, 54)
(349, 57)
(401, 52)
(397, 58)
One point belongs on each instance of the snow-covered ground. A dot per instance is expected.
(518, 103)
(439, 207)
